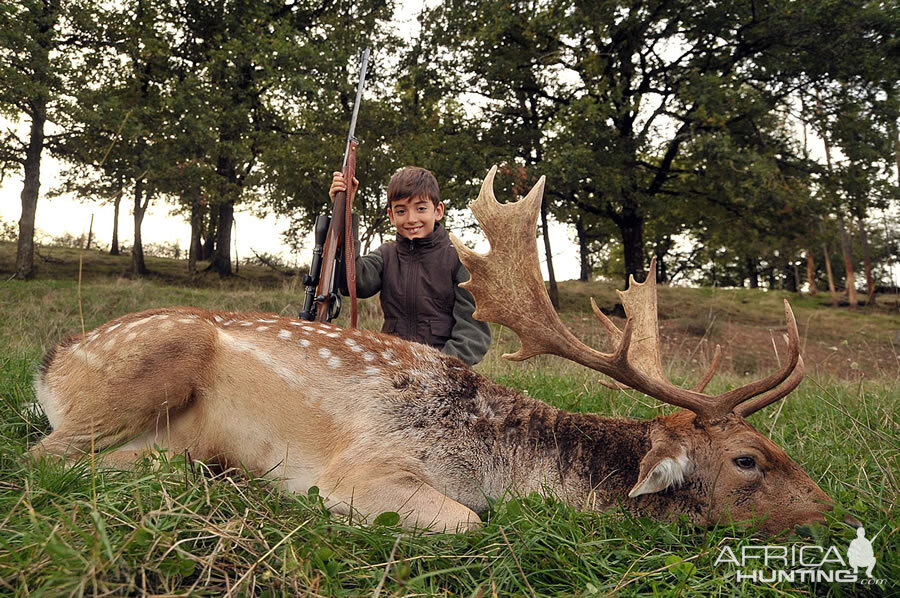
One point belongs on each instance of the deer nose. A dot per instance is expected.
(852, 521)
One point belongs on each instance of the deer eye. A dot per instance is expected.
(745, 462)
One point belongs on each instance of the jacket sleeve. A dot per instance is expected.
(369, 269)
(470, 338)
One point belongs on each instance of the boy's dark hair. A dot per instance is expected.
(412, 181)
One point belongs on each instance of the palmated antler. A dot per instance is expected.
(509, 290)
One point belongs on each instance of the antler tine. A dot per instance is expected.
(751, 406)
(730, 400)
(717, 357)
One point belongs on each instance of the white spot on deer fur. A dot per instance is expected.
(349, 342)
(218, 318)
(334, 362)
(161, 316)
(166, 325)
(333, 334)
(324, 353)
(387, 354)
(131, 336)
(135, 323)
(285, 373)
(371, 371)
(369, 357)
(113, 327)
(325, 326)
(394, 363)
(89, 358)
(285, 334)
(262, 328)
(261, 321)
(357, 348)
(228, 323)
(304, 342)
(246, 323)
(109, 344)
(296, 323)
(357, 332)
(184, 321)
(307, 328)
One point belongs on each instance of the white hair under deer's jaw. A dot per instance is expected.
(387, 425)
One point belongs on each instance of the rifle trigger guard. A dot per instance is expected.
(335, 308)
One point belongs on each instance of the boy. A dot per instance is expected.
(419, 273)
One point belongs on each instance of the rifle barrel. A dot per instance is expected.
(364, 60)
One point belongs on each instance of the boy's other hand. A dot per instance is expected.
(338, 184)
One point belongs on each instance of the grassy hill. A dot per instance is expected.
(174, 528)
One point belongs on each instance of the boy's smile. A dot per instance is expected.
(414, 217)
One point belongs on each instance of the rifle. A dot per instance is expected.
(334, 237)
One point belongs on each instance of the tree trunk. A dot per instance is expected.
(632, 229)
(662, 274)
(811, 273)
(790, 283)
(848, 265)
(221, 259)
(586, 269)
(867, 261)
(752, 271)
(661, 251)
(545, 228)
(831, 287)
(114, 247)
(212, 230)
(796, 271)
(196, 249)
(90, 236)
(30, 191)
(138, 266)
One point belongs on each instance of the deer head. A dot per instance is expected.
(707, 460)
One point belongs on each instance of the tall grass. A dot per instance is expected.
(172, 527)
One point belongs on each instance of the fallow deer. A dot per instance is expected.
(387, 425)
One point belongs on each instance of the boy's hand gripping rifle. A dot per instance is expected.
(334, 238)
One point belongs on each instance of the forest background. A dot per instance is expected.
(741, 143)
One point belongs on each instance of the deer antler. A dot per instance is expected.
(509, 290)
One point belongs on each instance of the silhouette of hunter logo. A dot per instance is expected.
(860, 552)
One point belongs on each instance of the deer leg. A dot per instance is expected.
(418, 504)
(63, 443)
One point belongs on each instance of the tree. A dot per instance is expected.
(31, 74)
(500, 51)
(614, 95)
(270, 69)
(119, 116)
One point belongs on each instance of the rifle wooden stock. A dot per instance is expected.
(338, 232)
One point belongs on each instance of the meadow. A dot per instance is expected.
(173, 527)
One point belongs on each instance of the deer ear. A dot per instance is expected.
(662, 467)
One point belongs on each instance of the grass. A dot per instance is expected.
(172, 527)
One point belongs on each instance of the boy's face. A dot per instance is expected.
(414, 217)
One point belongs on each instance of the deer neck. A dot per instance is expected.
(588, 460)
